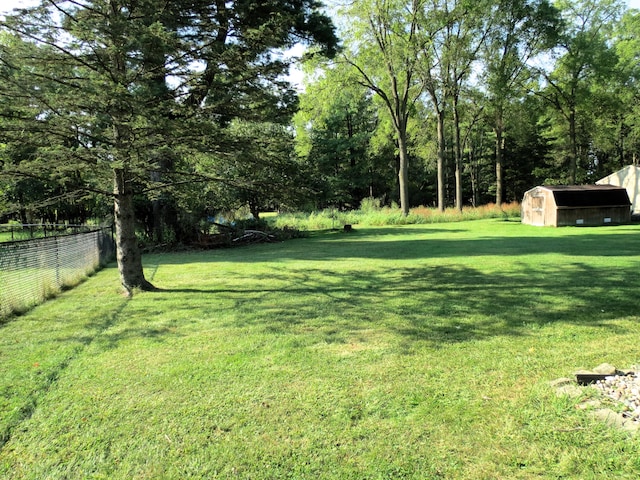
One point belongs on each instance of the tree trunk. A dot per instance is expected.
(458, 155)
(499, 179)
(474, 179)
(573, 151)
(403, 172)
(127, 251)
(255, 210)
(441, 159)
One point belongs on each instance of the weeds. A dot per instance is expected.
(373, 215)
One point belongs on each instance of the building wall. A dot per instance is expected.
(628, 178)
(539, 209)
(535, 207)
(593, 216)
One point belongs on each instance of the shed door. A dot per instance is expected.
(537, 210)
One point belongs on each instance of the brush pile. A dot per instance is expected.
(232, 236)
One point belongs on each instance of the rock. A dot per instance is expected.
(572, 391)
(609, 417)
(605, 369)
(560, 382)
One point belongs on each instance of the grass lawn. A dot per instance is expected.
(409, 352)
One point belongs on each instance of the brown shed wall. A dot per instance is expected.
(571, 206)
(593, 216)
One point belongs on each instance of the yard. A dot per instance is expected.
(407, 352)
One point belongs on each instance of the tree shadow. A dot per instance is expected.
(389, 244)
(427, 304)
(432, 302)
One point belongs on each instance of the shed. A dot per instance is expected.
(629, 178)
(564, 205)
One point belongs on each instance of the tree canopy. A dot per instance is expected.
(508, 93)
(127, 92)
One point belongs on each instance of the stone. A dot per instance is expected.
(572, 391)
(560, 382)
(605, 369)
(609, 417)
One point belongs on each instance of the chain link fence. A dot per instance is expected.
(33, 270)
(12, 232)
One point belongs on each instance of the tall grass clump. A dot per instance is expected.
(491, 210)
(372, 213)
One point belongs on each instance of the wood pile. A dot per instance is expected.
(233, 237)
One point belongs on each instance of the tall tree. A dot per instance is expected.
(522, 30)
(452, 32)
(335, 123)
(465, 30)
(114, 83)
(434, 74)
(585, 57)
(385, 50)
(624, 90)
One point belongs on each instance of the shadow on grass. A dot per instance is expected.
(432, 304)
(333, 246)
(37, 386)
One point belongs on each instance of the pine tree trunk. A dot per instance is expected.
(127, 251)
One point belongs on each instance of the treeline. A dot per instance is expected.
(459, 102)
(177, 112)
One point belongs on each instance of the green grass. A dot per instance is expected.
(401, 352)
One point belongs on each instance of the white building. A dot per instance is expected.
(628, 178)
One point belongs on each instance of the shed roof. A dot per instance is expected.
(589, 195)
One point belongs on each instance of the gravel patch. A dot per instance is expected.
(622, 387)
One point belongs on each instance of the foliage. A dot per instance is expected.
(122, 94)
(408, 352)
(385, 53)
(543, 92)
(372, 214)
(445, 102)
(335, 125)
(585, 59)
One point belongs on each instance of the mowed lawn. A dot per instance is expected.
(408, 352)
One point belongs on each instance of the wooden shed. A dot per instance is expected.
(629, 178)
(565, 205)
